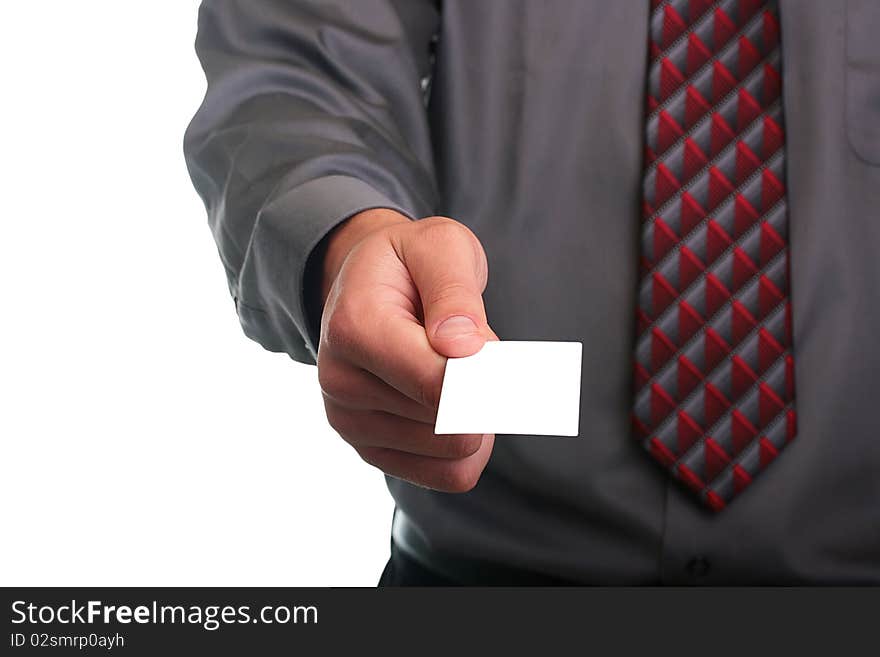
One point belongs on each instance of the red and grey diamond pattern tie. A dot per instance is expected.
(714, 400)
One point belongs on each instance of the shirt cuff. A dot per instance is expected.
(271, 297)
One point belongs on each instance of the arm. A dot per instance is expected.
(314, 112)
(313, 134)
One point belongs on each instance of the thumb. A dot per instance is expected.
(448, 267)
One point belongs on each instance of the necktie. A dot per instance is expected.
(714, 371)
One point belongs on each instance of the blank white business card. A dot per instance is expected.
(513, 387)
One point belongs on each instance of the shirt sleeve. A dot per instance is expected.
(314, 111)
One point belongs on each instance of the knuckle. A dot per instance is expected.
(338, 421)
(428, 388)
(444, 230)
(461, 447)
(337, 385)
(371, 456)
(450, 291)
(328, 378)
(335, 330)
(459, 478)
(340, 329)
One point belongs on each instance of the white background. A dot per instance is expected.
(145, 440)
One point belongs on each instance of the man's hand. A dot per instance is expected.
(401, 296)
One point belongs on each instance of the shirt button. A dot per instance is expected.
(698, 567)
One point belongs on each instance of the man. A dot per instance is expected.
(690, 188)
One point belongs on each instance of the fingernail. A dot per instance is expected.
(455, 327)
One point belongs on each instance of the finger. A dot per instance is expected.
(447, 475)
(357, 389)
(371, 326)
(380, 430)
(389, 345)
(448, 266)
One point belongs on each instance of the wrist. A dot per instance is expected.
(347, 235)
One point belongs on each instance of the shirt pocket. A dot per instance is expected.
(863, 78)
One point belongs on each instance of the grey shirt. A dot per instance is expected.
(524, 120)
